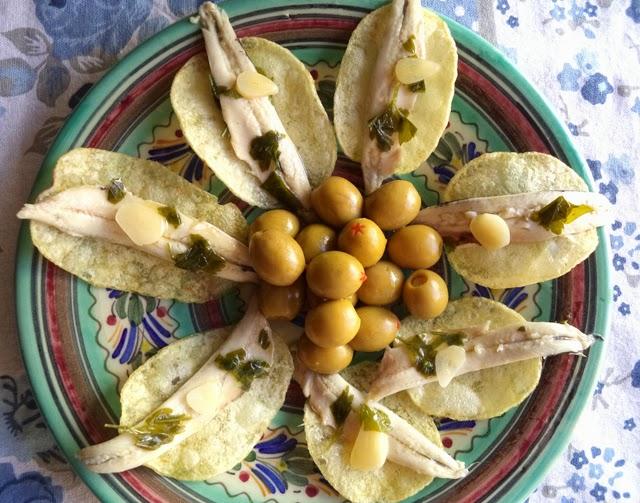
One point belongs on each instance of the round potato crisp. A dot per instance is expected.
(484, 393)
(517, 264)
(109, 265)
(432, 108)
(392, 482)
(232, 433)
(296, 102)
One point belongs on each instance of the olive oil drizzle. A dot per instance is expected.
(374, 419)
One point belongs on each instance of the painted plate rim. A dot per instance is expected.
(492, 57)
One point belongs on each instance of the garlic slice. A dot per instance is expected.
(251, 84)
(412, 70)
(448, 361)
(141, 222)
(370, 450)
(491, 231)
(203, 397)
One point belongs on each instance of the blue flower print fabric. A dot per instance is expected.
(583, 55)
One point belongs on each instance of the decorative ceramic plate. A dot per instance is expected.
(80, 342)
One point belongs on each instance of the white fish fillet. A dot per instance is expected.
(406, 20)
(121, 453)
(485, 348)
(452, 219)
(407, 446)
(85, 211)
(247, 119)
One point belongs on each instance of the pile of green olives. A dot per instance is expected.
(347, 269)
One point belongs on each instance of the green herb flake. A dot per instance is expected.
(266, 149)
(417, 87)
(222, 90)
(116, 191)
(199, 257)
(341, 407)
(158, 428)
(522, 329)
(559, 212)
(263, 339)
(245, 371)
(424, 353)
(171, 215)
(409, 45)
(391, 120)
(278, 188)
(374, 419)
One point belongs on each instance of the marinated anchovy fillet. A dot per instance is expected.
(181, 415)
(87, 211)
(390, 103)
(402, 369)
(522, 214)
(407, 446)
(257, 134)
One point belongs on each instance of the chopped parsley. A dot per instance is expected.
(157, 429)
(116, 191)
(559, 212)
(424, 353)
(199, 257)
(266, 149)
(245, 371)
(392, 120)
(171, 215)
(417, 87)
(263, 339)
(341, 407)
(374, 419)
(409, 45)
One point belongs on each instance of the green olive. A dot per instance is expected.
(324, 360)
(313, 300)
(279, 220)
(332, 323)
(393, 205)
(363, 239)
(415, 247)
(378, 327)
(383, 284)
(276, 257)
(334, 275)
(425, 294)
(315, 239)
(281, 302)
(336, 201)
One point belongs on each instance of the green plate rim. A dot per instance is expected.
(82, 112)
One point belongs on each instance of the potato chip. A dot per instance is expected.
(517, 264)
(296, 102)
(476, 395)
(105, 264)
(431, 111)
(392, 482)
(232, 433)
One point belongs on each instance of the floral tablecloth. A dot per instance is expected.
(583, 55)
